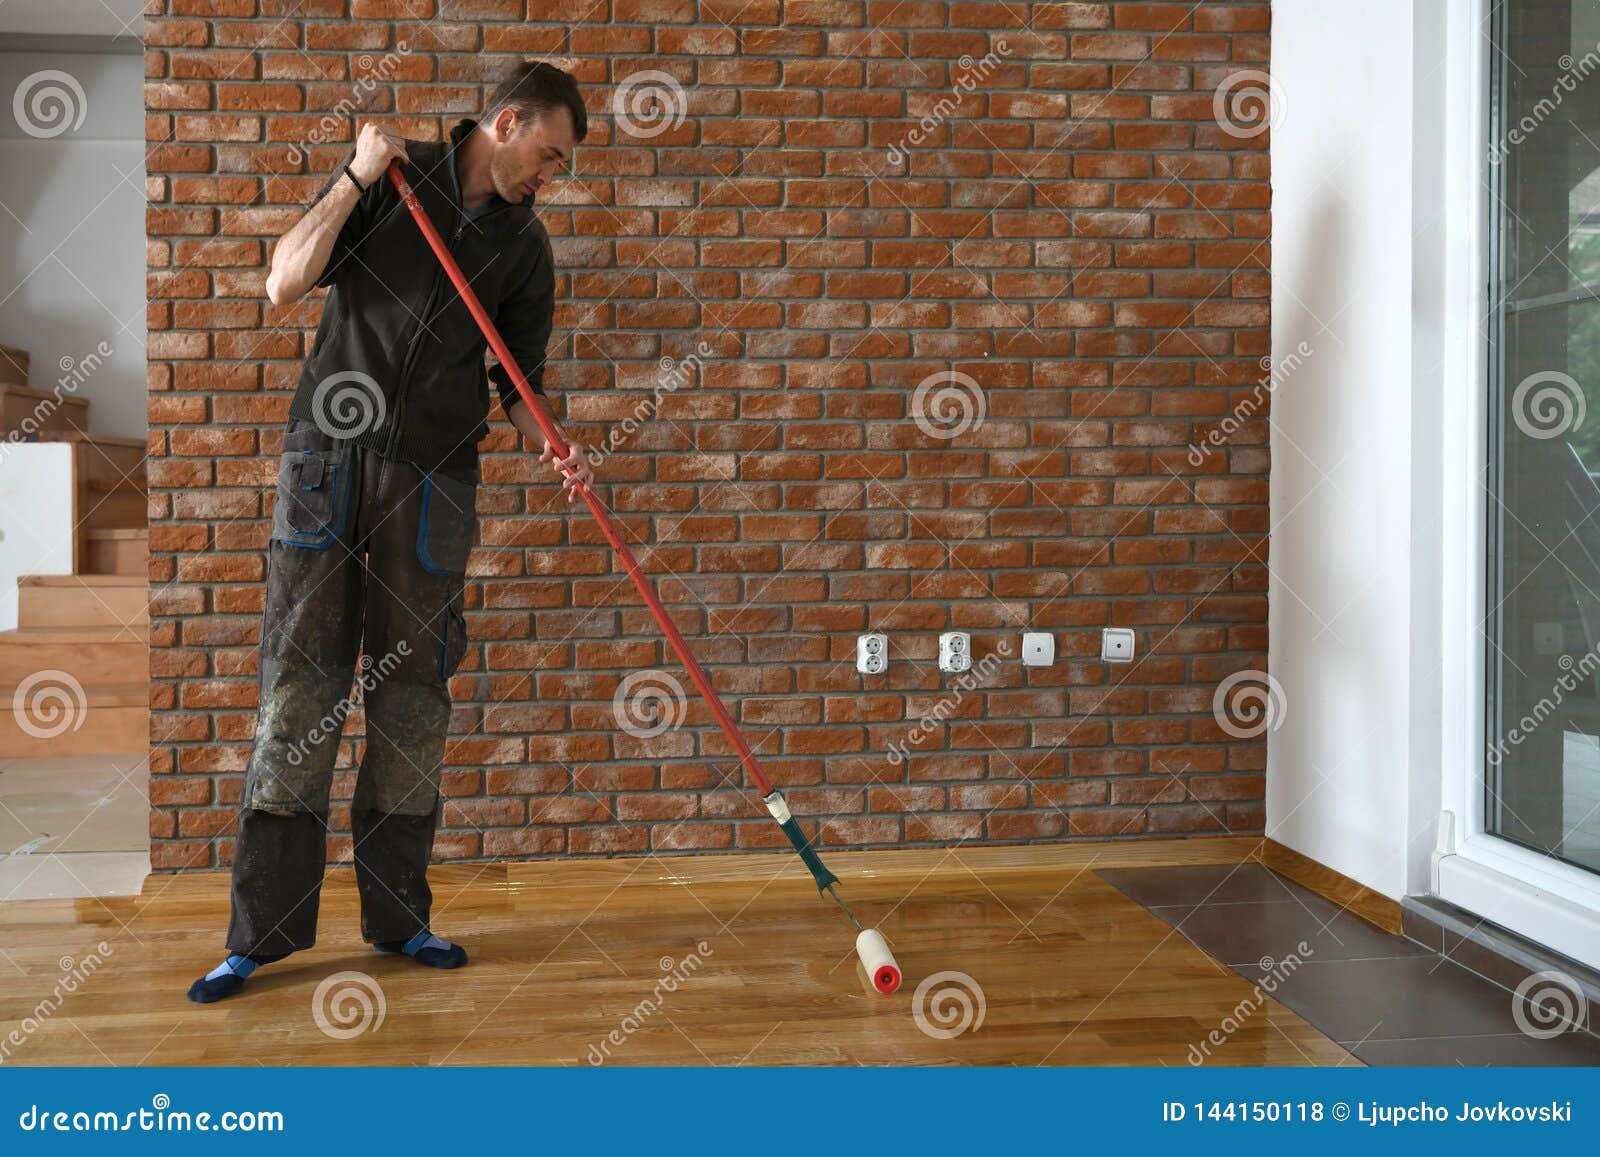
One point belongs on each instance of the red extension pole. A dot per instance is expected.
(552, 435)
(871, 947)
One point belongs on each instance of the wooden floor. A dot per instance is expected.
(575, 963)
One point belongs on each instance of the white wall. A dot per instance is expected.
(35, 517)
(73, 17)
(1353, 769)
(72, 257)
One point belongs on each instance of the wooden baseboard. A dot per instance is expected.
(1377, 910)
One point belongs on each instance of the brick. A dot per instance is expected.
(588, 841)
(687, 837)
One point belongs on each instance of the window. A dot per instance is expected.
(1542, 623)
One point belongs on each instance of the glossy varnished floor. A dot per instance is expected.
(571, 959)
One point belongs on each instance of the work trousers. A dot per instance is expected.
(368, 558)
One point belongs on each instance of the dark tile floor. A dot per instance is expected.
(1389, 1000)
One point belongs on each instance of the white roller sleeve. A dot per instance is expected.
(874, 952)
(776, 805)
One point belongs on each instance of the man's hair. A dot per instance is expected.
(536, 87)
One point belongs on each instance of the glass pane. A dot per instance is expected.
(1543, 760)
(1549, 146)
(1584, 248)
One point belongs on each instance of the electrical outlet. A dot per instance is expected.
(1038, 649)
(1116, 644)
(955, 651)
(872, 654)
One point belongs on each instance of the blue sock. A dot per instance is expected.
(426, 948)
(228, 977)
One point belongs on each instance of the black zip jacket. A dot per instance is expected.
(398, 363)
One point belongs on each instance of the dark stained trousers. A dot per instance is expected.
(368, 556)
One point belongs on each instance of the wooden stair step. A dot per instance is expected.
(29, 414)
(113, 504)
(83, 600)
(121, 441)
(48, 636)
(114, 485)
(13, 366)
(110, 719)
(109, 493)
(16, 390)
(88, 580)
(120, 533)
(116, 550)
(107, 457)
(94, 656)
(100, 695)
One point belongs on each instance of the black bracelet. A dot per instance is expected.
(359, 186)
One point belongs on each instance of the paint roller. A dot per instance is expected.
(871, 947)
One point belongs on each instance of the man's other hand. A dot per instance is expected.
(574, 469)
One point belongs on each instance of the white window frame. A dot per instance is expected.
(1548, 901)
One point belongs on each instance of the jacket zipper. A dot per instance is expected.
(393, 441)
(411, 356)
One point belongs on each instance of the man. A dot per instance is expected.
(376, 512)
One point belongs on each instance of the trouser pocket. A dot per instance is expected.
(314, 488)
(446, 523)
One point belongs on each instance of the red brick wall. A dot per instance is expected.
(1074, 232)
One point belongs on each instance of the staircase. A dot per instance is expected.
(75, 674)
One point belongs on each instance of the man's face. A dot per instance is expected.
(529, 153)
